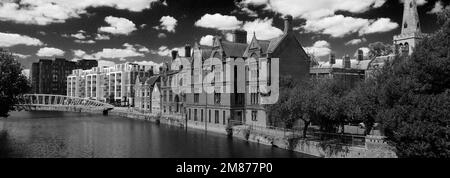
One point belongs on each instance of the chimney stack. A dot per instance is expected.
(360, 55)
(174, 54)
(347, 62)
(332, 58)
(288, 24)
(187, 50)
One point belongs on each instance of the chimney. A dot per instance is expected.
(236, 36)
(187, 50)
(288, 24)
(360, 55)
(332, 58)
(174, 54)
(346, 62)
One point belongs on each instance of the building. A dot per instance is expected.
(145, 90)
(347, 70)
(50, 76)
(411, 33)
(219, 108)
(113, 84)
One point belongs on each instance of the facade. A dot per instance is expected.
(50, 76)
(109, 84)
(156, 100)
(218, 109)
(411, 33)
(144, 90)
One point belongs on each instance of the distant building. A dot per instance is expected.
(347, 70)
(50, 76)
(156, 100)
(145, 94)
(109, 84)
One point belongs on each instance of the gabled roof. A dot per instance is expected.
(152, 80)
(234, 49)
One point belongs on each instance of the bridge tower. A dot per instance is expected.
(411, 33)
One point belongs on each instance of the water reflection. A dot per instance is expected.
(60, 134)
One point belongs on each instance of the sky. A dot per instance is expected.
(146, 31)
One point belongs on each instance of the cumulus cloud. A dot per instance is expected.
(319, 49)
(218, 21)
(166, 51)
(118, 26)
(102, 37)
(262, 28)
(85, 41)
(168, 23)
(162, 35)
(12, 39)
(438, 7)
(316, 9)
(340, 26)
(321, 15)
(207, 40)
(50, 52)
(105, 63)
(115, 53)
(356, 41)
(44, 12)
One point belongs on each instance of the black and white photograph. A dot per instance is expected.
(253, 80)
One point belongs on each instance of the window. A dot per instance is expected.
(223, 118)
(209, 119)
(196, 98)
(216, 117)
(201, 111)
(189, 114)
(195, 115)
(254, 114)
(217, 98)
(254, 98)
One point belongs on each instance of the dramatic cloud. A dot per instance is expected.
(168, 23)
(207, 40)
(263, 29)
(316, 9)
(12, 39)
(118, 26)
(340, 26)
(44, 12)
(162, 35)
(105, 63)
(319, 49)
(50, 52)
(356, 41)
(438, 7)
(321, 15)
(219, 21)
(122, 54)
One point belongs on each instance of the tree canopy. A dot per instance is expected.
(12, 83)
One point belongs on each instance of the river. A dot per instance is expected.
(81, 135)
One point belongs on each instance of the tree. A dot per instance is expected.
(12, 83)
(379, 49)
(410, 98)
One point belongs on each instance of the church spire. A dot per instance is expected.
(411, 22)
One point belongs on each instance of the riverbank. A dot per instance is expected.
(374, 146)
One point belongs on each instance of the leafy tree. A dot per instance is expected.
(12, 83)
(379, 49)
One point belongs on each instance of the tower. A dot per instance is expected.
(411, 33)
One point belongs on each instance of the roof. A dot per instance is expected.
(274, 42)
(206, 51)
(234, 49)
(354, 64)
(152, 80)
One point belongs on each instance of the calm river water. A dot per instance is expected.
(65, 134)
